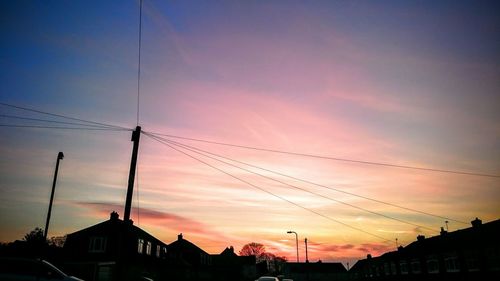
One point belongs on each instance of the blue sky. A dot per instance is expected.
(405, 83)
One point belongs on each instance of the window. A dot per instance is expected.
(452, 264)
(493, 259)
(472, 260)
(432, 265)
(472, 264)
(404, 267)
(165, 252)
(97, 244)
(393, 268)
(415, 266)
(140, 246)
(158, 248)
(387, 269)
(148, 248)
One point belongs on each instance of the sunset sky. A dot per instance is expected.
(413, 84)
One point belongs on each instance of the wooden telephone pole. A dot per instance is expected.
(131, 176)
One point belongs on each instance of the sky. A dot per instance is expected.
(413, 84)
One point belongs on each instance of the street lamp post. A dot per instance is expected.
(60, 156)
(296, 242)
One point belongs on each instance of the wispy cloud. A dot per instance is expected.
(155, 219)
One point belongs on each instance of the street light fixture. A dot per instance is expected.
(296, 242)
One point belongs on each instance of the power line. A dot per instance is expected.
(324, 186)
(50, 121)
(191, 148)
(204, 153)
(139, 62)
(266, 191)
(64, 128)
(60, 115)
(336, 158)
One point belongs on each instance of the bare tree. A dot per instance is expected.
(35, 236)
(57, 241)
(259, 251)
(253, 249)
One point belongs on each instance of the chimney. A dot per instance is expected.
(179, 237)
(421, 237)
(114, 216)
(476, 223)
(369, 256)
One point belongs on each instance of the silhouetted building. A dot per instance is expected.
(318, 271)
(229, 266)
(117, 250)
(114, 250)
(467, 254)
(189, 252)
(195, 262)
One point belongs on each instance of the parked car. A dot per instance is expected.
(267, 278)
(22, 269)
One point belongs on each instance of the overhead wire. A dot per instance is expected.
(50, 121)
(323, 186)
(138, 103)
(103, 126)
(265, 190)
(204, 153)
(92, 125)
(63, 128)
(365, 162)
(139, 62)
(60, 115)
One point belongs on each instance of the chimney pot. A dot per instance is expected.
(420, 238)
(179, 237)
(114, 216)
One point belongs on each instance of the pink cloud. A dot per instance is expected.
(374, 248)
(162, 220)
(348, 252)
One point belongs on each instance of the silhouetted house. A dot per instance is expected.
(196, 262)
(467, 254)
(360, 270)
(114, 250)
(318, 271)
(229, 266)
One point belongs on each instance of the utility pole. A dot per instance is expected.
(307, 259)
(131, 176)
(60, 156)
